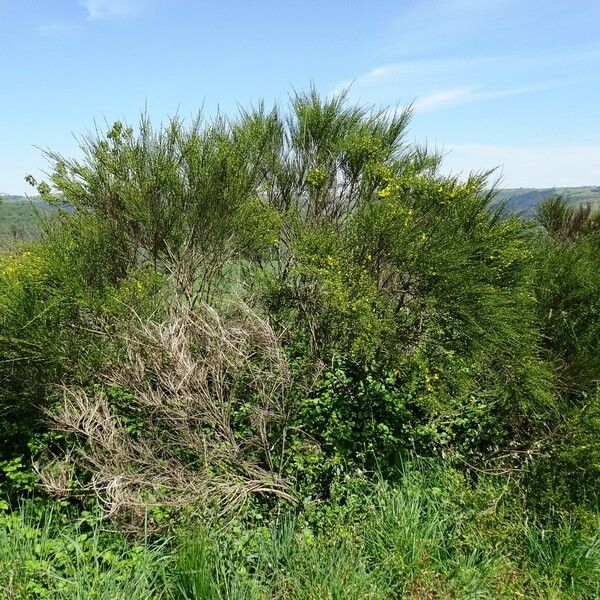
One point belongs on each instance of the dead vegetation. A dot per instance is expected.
(210, 393)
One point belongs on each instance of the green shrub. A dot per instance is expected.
(51, 296)
(273, 308)
(421, 308)
(568, 296)
(568, 288)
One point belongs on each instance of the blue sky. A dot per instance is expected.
(508, 83)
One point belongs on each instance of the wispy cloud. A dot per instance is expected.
(105, 10)
(407, 70)
(444, 98)
(436, 83)
(528, 166)
(454, 96)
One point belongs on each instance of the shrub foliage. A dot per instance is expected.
(252, 310)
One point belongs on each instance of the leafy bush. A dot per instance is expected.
(568, 295)
(568, 285)
(272, 309)
(421, 305)
(51, 293)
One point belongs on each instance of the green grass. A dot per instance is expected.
(43, 558)
(414, 540)
(431, 535)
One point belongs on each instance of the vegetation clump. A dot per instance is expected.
(283, 356)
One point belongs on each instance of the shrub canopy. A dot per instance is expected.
(412, 313)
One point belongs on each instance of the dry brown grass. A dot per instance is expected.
(211, 394)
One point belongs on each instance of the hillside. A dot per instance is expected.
(20, 217)
(19, 214)
(525, 199)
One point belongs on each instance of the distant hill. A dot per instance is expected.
(20, 201)
(525, 199)
(19, 216)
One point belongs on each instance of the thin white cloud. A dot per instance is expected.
(443, 98)
(106, 10)
(454, 96)
(418, 73)
(529, 166)
(407, 70)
